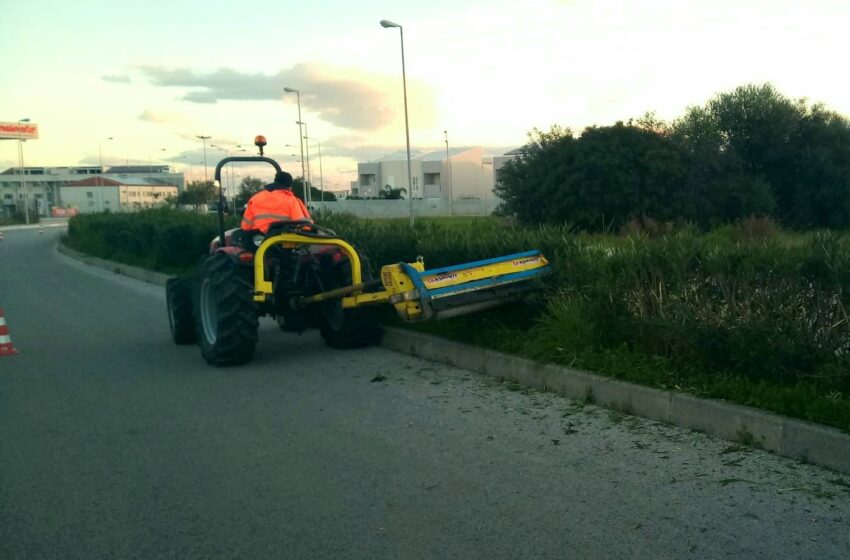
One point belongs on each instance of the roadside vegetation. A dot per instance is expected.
(745, 312)
(18, 218)
(704, 255)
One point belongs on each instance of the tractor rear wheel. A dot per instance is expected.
(178, 296)
(226, 315)
(348, 328)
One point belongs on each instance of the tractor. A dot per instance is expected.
(305, 276)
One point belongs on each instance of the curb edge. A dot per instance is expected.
(800, 440)
(824, 446)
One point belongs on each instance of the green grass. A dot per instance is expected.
(800, 399)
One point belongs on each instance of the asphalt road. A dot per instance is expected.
(117, 444)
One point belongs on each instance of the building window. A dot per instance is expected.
(89, 194)
(416, 183)
(432, 179)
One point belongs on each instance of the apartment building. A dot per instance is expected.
(98, 194)
(39, 187)
(460, 174)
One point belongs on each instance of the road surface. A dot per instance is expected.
(115, 443)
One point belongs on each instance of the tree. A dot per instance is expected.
(527, 182)
(389, 193)
(248, 188)
(605, 177)
(781, 155)
(198, 193)
(747, 151)
(315, 194)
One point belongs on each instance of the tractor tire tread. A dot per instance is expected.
(237, 324)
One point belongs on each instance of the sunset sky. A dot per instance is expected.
(487, 72)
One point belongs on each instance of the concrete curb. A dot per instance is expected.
(142, 274)
(805, 441)
(34, 226)
(798, 439)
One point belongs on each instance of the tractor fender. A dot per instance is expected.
(233, 254)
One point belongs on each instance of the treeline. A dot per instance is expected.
(751, 151)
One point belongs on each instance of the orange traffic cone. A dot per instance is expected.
(1, 236)
(6, 347)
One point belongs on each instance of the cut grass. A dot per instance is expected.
(802, 399)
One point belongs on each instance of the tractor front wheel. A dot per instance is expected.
(226, 315)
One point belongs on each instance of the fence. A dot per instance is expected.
(401, 208)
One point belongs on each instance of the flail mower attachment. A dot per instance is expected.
(418, 294)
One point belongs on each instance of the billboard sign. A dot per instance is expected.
(63, 212)
(18, 131)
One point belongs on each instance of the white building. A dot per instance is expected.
(100, 193)
(40, 186)
(465, 174)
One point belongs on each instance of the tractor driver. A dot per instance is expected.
(275, 203)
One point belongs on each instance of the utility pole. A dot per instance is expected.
(449, 165)
(205, 138)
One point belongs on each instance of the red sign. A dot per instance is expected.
(18, 131)
(63, 212)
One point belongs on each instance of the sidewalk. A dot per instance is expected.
(45, 222)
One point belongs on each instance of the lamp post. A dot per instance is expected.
(100, 155)
(309, 185)
(300, 140)
(239, 149)
(192, 171)
(205, 138)
(22, 170)
(387, 24)
(227, 153)
(449, 175)
(321, 175)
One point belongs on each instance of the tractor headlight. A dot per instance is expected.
(258, 240)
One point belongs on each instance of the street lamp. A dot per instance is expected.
(230, 167)
(449, 175)
(321, 175)
(192, 171)
(22, 170)
(300, 140)
(205, 138)
(100, 155)
(309, 185)
(387, 24)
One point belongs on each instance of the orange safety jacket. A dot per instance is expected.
(267, 207)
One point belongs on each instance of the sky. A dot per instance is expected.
(155, 75)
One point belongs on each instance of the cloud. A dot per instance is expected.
(356, 101)
(116, 79)
(153, 117)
